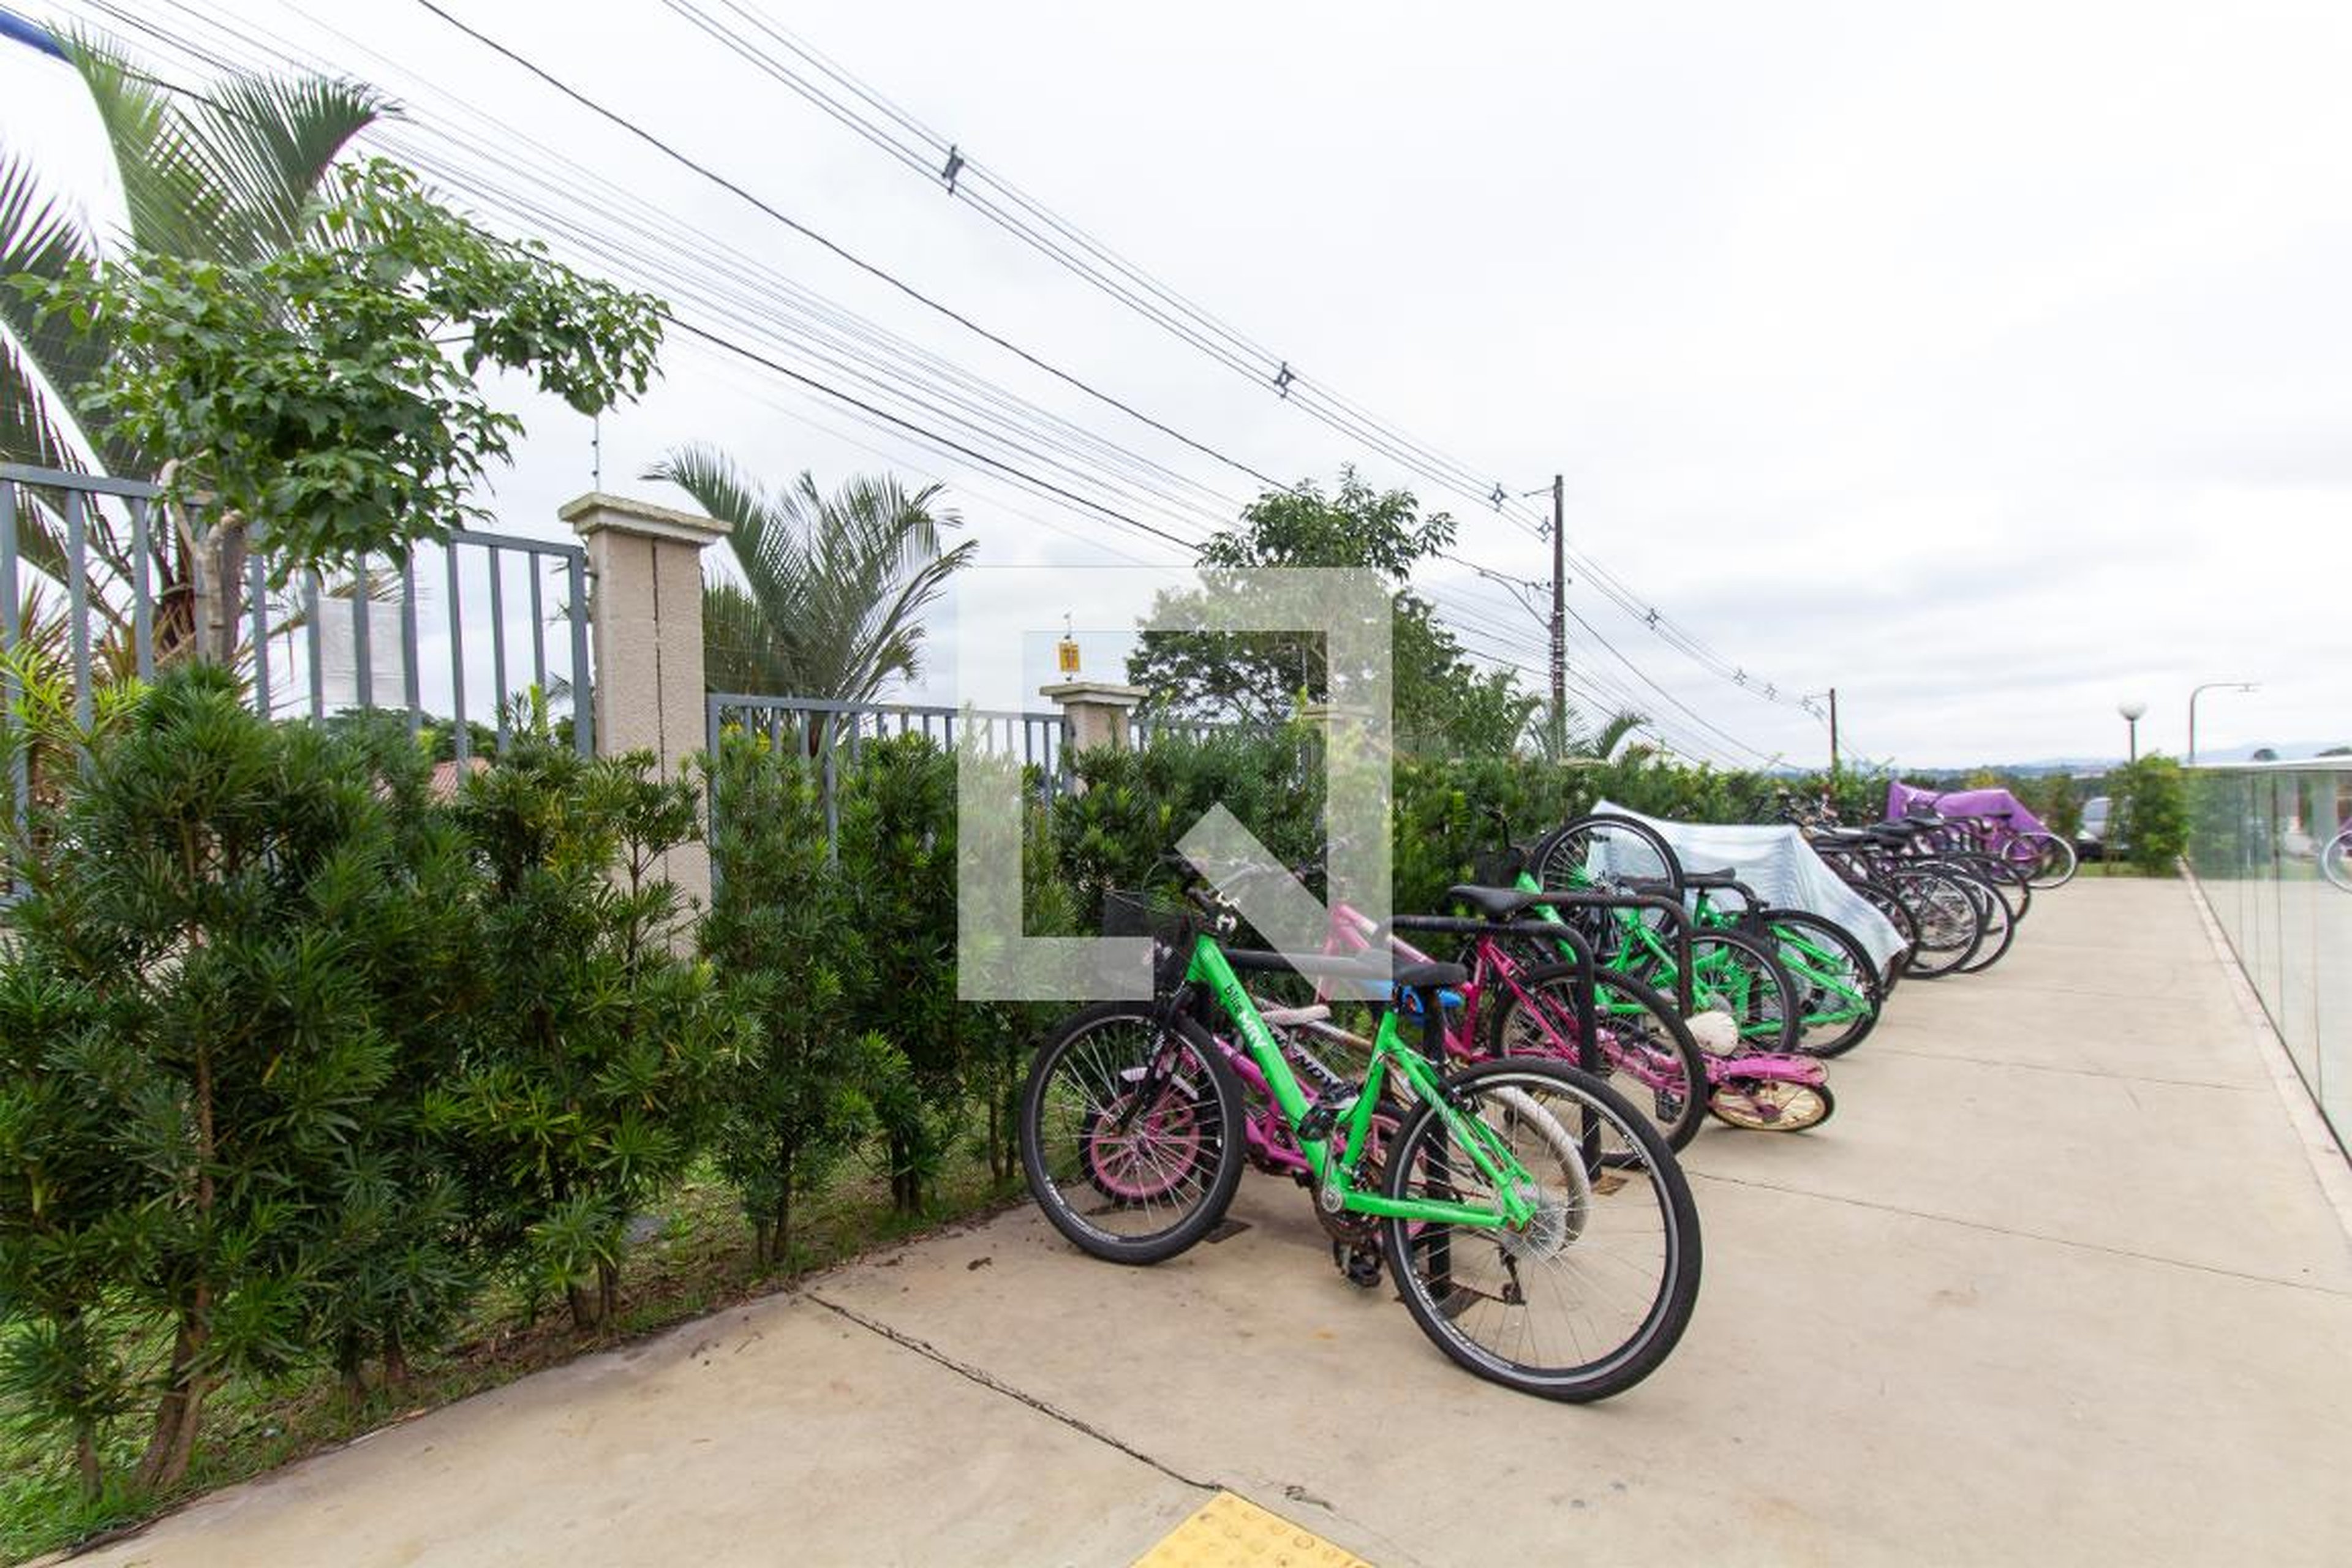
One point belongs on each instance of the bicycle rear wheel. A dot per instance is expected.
(1734, 972)
(1131, 1134)
(1999, 925)
(1838, 991)
(1950, 924)
(1588, 1298)
(1645, 1050)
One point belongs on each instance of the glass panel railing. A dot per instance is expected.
(2271, 847)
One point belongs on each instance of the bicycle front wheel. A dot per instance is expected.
(1589, 1297)
(1131, 1134)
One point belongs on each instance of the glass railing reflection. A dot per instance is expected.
(2272, 845)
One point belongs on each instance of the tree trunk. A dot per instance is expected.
(351, 1365)
(585, 1307)
(93, 1478)
(177, 1415)
(395, 1358)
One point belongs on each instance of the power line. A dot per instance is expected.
(734, 302)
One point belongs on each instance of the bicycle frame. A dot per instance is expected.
(1334, 1171)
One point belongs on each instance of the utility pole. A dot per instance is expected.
(1558, 615)
(1834, 759)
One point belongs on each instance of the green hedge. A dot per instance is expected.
(299, 1058)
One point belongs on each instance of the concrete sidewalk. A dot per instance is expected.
(2058, 1283)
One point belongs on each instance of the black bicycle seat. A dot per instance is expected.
(1719, 879)
(1495, 903)
(1429, 976)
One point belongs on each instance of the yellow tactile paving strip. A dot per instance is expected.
(1228, 1531)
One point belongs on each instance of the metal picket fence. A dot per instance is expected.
(98, 574)
(831, 733)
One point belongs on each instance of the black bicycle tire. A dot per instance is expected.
(1858, 958)
(1224, 1181)
(1692, 1114)
(1662, 1327)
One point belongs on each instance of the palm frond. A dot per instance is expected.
(264, 146)
(835, 586)
(43, 361)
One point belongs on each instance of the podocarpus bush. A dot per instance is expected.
(897, 850)
(205, 1122)
(1135, 805)
(592, 1070)
(780, 934)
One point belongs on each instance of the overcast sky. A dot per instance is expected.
(1990, 363)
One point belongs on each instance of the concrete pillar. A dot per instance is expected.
(1098, 711)
(644, 574)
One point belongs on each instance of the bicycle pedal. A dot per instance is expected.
(1363, 1268)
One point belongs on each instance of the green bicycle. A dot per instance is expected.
(1537, 1227)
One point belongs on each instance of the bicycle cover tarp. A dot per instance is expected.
(1781, 867)
(1901, 797)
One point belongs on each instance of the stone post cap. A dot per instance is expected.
(598, 511)
(1109, 694)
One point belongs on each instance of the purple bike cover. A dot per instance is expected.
(1901, 797)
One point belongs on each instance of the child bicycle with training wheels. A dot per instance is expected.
(1739, 1000)
(1536, 1226)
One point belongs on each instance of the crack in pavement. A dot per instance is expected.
(965, 1370)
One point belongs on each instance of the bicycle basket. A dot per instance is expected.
(1172, 931)
(1497, 868)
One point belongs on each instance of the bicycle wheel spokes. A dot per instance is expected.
(1587, 1297)
(1642, 1048)
(1131, 1138)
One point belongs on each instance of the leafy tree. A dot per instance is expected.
(834, 586)
(2151, 816)
(1441, 702)
(2058, 805)
(316, 388)
(226, 176)
(777, 933)
(592, 1075)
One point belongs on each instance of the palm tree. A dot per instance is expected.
(834, 586)
(229, 176)
(1568, 741)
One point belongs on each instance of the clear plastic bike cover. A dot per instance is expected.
(1780, 867)
(1901, 797)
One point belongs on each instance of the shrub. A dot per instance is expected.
(206, 1119)
(897, 859)
(593, 1068)
(2152, 801)
(780, 935)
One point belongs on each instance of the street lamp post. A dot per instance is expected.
(2212, 686)
(2119, 820)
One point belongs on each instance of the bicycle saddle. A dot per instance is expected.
(1425, 977)
(1495, 903)
(1721, 880)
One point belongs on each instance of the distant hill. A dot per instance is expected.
(2287, 751)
